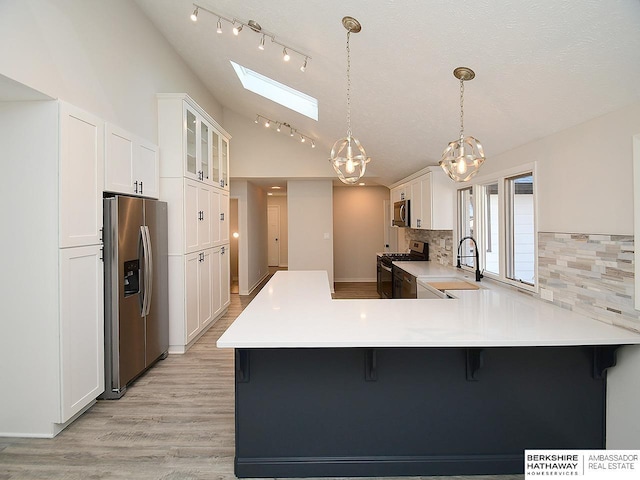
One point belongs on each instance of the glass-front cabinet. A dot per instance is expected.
(207, 151)
(224, 159)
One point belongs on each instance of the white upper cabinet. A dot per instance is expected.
(81, 177)
(131, 163)
(431, 194)
(188, 132)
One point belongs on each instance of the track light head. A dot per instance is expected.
(278, 128)
(237, 30)
(267, 123)
(285, 55)
(194, 15)
(219, 26)
(304, 65)
(257, 118)
(261, 46)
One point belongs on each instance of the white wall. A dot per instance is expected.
(584, 174)
(359, 228)
(103, 56)
(252, 227)
(259, 152)
(310, 207)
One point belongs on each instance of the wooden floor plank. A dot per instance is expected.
(176, 422)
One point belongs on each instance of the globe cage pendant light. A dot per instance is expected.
(462, 158)
(348, 156)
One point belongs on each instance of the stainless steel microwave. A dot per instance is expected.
(401, 216)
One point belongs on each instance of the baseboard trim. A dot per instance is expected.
(355, 280)
(379, 466)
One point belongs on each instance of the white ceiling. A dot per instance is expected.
(540, 66)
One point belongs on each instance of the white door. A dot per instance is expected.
(273, 233)
(146, 169)
(191, 268)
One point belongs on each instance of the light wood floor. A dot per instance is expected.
(174, 423)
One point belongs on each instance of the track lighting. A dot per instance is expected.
(255, 27)
(292, 130)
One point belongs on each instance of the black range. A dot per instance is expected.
(391, 280)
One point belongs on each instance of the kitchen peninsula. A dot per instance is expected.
(412, 387)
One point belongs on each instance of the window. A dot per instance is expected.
(520, 229)
(277, 92)
(503, 209)
(465, 225)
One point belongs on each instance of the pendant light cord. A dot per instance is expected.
(461, 109)
(348, 86)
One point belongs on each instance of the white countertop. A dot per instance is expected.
(295, 309)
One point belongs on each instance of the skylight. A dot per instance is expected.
(277, 92)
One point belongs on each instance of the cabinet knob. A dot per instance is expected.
(135, 187)
(222, 183)
(222, 251)
(140, 187)
(222, 216)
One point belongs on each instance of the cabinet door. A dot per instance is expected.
(81, 328)
(205, 222)
(205, 287)
(216, 222)
(216, 293)
(415, 206)
(225, 279)
(191, 297)
(146, 169)
(427, 204)
(118, 161)
(204, 153)
(216, 173)
(224, 218)
(224, 163)
(192, 215)
(81, 177)
(190, 138)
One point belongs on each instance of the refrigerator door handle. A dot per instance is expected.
(149, 285)
(145, 265)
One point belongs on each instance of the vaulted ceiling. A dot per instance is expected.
(540, 67)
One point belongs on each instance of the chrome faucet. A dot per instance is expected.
(477, 255)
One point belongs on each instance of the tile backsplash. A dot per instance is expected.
(590, 274)
(440, 243)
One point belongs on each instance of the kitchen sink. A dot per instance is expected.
(436, 287)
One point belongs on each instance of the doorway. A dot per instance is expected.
(233, 244)
(273, 234)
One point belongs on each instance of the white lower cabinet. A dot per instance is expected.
(81, 328)
(199, 302)
(206, 292)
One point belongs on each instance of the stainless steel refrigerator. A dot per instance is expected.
(136, 289)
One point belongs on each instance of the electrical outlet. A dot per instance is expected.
(546, 294)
